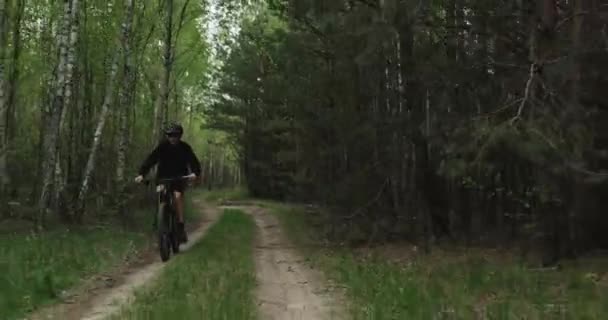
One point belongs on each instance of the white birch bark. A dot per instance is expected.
(162, 110)
(60, 177)
(127, 93)
(53, 119)
(105, 108)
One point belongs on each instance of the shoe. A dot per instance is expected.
(183, 237)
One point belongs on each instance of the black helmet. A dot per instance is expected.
(174, 128)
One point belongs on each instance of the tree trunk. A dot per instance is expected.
(575, 73)
(90, 166)
(576, 210)
(162, 105)
(53, 120)
(13, 82)
(45, 102)
(71, 63)
(61, 175)
(176, 98)
(158, 113)
(126, 100)
(4, 176)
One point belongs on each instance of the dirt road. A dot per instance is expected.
(103, 296)
(287, 289)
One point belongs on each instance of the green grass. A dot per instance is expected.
(213, 280)
(35, 269)
(454, 284)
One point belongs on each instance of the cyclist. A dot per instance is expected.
(174, 158)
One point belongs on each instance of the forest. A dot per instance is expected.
(85, 88)
(441, 124)
(466, 120)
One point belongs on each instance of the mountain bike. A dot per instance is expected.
(166, 217)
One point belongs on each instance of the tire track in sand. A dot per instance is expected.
(287, 289)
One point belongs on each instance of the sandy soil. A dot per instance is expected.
(288, 289)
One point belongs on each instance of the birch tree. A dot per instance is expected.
(97, 135)
(162, 105)
(127, 93)
(54, 112)
(71, 64)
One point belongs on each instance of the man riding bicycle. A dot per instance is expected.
(174, 158)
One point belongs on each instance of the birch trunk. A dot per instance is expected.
(180, 25)
(163, 111)
(53, 119)
(158, 114)
(45, 101)
(71, 58)
(126, 98)
(60, 176)
(4, 179)
(90, 166)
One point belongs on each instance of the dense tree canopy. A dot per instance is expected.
(477, 120)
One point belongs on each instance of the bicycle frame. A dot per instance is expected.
(165, 189)
(166, 217)
(165, 195)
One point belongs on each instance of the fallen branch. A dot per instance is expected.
(591, 176)
(497, 111)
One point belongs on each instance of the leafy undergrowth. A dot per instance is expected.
(36, 268)
(213, 280)
(448, 284)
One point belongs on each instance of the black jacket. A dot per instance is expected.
(173, 161)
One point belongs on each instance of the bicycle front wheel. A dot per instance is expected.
(164, 244)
